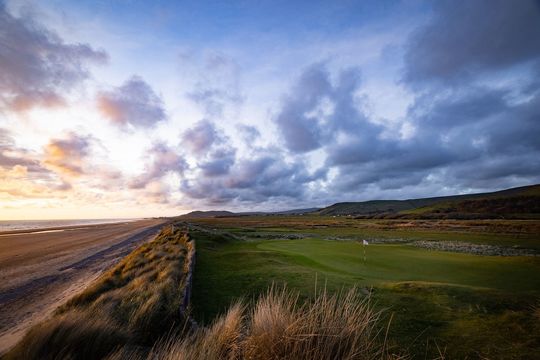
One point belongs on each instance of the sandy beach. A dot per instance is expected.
(40, 269)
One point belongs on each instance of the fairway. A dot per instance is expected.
(461, 303)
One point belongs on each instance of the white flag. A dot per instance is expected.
(364, 242)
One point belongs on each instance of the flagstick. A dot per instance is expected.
(364, 246)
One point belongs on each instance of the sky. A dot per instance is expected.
(131, 108)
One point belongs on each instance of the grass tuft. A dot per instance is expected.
(80, 335)
(279, 326)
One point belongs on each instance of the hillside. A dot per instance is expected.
(207, 214)
(516, 202)
(224, 213)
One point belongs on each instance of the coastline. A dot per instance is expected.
(47, 225)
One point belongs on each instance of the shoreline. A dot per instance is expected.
(70, 226)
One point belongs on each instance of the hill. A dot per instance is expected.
(520, 202)
(207, 214)
(224, 213)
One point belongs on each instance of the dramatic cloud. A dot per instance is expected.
(461, 135)
(454, 132)
(255, 180)
(134, 103)
(220, 175)
(316, 112)
(424, 99)
(301, 130)
(37, 67)
(475, 134)
(474, 37)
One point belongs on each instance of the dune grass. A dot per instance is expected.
(133, 305)
(279, 326)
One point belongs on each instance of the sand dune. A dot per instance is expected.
(42, 268)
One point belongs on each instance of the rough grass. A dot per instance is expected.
(133, 304)
(279, 326)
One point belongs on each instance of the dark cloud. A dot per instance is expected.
(473, 37)
(163, 160)
(37, 67)
(452, 126)
(464, 138)
(134, 103)
(258, 179)
(219, 176)
(472, 138)
(461, 107)
(316, 112)
(490, 171)
(301, 131)
(219, 162)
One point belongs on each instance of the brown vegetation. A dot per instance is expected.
(133, 304)
(279, 326)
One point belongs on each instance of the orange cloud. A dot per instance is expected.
(66, 156)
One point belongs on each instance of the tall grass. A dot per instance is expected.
(279, 326)
(133, 305)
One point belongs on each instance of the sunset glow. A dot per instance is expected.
(117, 109)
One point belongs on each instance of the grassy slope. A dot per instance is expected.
(433, 295)
(475, 203)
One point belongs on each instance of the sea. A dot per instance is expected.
(11, 225)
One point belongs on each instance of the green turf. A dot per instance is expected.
(466, 305)
(398, 263)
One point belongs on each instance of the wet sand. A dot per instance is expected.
(42, 268)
